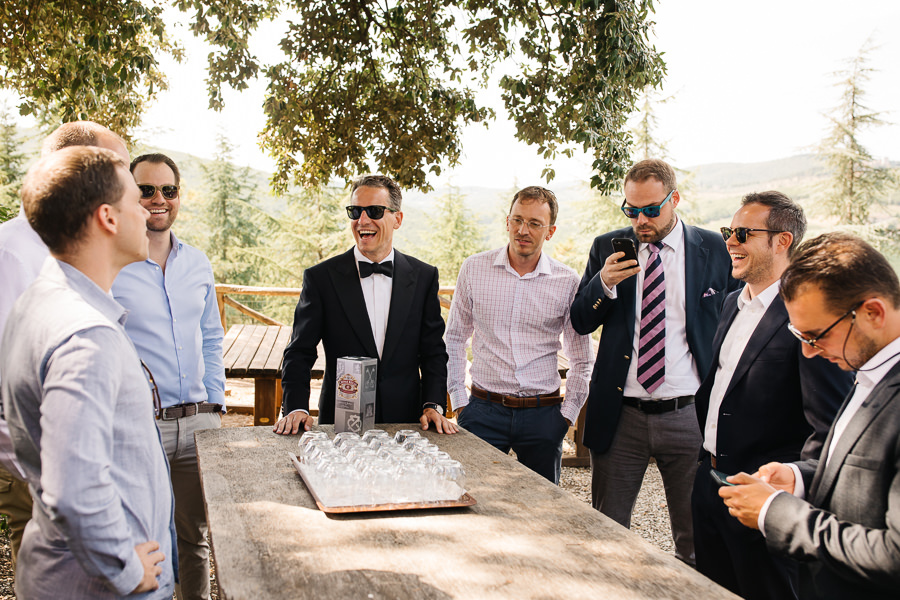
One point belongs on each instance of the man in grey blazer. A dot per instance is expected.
(839, 515)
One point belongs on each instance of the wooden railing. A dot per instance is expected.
(225, 297)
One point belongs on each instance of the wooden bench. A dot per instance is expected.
(256, 351)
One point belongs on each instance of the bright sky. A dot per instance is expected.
(750, 82)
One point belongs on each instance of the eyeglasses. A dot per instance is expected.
(811, 342)
(741, 233)
(169, 192)
(374, 212)
(157, 401)
(651, 212)
(533, 226)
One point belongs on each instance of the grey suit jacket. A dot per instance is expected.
(848, 535)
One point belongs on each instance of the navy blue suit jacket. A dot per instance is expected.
(778, 402)
(413, 365)
(707, 281)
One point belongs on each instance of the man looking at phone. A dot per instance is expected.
(840, 517)
(516, 300)
(659, 314)
(761, 401)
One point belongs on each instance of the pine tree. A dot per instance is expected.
(11, 160)
(455, 235)
(857, 181)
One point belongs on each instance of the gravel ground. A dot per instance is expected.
(650, 519)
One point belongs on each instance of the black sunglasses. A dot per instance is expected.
(374, 212)
(169, 192)
(741, 233)
(812, 341)
(651, 212)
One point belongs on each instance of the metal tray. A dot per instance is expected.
(464, 500)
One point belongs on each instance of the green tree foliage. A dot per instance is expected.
(74, 60)
(644, 133)
(454, 235)
(394, 83)
(11, 162)
(857, 182)
(232, 219)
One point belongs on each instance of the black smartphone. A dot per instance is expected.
(625, 245)
(719, 477)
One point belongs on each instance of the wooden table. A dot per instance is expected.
(525, 538)
(256, 351)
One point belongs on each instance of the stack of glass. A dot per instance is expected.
(378, 469)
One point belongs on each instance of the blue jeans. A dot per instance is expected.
(534, 434)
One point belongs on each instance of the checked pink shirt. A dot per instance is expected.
(515, 323)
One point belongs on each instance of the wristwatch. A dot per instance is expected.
(435, 406)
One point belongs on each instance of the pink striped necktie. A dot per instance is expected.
(651, 369)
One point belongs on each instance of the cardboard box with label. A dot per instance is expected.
(354, 397)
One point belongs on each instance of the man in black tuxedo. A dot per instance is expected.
(761, 401)
(840, 515)
(370, 301)
(662, 310)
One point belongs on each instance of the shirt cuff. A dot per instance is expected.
(761, 519)
(799, 487)
(130, 576)
(610, 293)
(458, 400)
(303, 410)
(570, 410)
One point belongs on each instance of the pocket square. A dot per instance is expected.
(710, 292)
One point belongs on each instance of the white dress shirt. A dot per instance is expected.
(750, 313)
(22, 254)
(682, 376)
(515, 322)
(376, 289)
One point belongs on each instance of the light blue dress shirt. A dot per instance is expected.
(80, 415)
(173, 320)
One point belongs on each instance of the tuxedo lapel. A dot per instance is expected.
(345, 278)
(404, 286)
(858, 424)
(695, 258)
(775, 318)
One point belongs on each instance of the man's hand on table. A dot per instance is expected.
(296, 422)
(441, 423)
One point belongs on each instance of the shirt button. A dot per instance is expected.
(183, 376)
(179, 347)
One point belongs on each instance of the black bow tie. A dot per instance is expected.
(366, 268)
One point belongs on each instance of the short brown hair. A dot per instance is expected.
(655, 168)
(62, 190)
(380, 181)
(76, 133)
(784, 215)
(157, 158)
(538, 194)
(845, 268)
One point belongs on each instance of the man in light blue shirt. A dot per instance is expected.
(77, 401)
(174, 323)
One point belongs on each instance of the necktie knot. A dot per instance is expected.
(386, 268)
(656, 247)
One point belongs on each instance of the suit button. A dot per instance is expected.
(618, 388)
(627, 357)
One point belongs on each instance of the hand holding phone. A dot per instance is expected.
(617, 270)
(625, 245)
(719, 477)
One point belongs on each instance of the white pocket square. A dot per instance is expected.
(710, 292)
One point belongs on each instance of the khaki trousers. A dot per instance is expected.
(15, 503)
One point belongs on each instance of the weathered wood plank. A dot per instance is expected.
(273, 364)
(257, 366)
(253, 335)
(525, 539)
(235, 346)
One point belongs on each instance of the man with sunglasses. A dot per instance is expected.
(22, 254)
(79, 407)
(370, 301)
(658, 314)
(761, 401)
(840, 515)
(174, 322)
(515, 300)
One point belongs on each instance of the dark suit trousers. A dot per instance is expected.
(732, 555)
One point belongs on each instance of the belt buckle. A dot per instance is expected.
(652, 407)
(164, 415)
(506, 398)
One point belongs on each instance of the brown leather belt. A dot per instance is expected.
(518, 402)
(712, 461)
(655, 407)
(188, 410)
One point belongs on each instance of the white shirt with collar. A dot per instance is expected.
(376, 289)
(682, 376)
(750, 313)
(868, 376)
